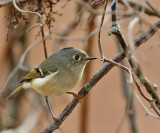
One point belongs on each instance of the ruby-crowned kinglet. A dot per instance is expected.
(57, 74)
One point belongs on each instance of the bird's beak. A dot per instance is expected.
(91, 58)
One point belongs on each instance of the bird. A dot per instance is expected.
(56, 75)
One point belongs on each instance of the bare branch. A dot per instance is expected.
(99, 34)
(24, 11)
(144, 107)
(129, 54)
(104, 70)
(41, 23)
(140, 7)
(154, 10)
(7, 2)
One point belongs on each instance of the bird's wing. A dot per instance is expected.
(34, 73)
(37, 73)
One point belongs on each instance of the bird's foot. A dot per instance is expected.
(57, 122)
(75, 96)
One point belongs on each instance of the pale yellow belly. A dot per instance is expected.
(52, 85)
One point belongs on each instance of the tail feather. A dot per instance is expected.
(15, 93)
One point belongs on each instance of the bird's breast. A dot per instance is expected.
(56, 83)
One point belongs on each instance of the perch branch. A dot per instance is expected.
(104, 70)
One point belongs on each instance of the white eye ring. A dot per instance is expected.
(76, 57)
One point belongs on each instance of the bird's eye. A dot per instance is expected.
(76, 57)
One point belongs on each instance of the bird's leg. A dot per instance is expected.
(74, 95)
(57, 121)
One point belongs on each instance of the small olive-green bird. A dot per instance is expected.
(57, 74)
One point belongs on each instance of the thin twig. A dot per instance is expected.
(24, 11)
(99, 34)
(44, 42)
(31, 28)
(89, 8)
(130, 31)
(96, 2)
(144, 107)
(119, 125)
(41, 23)
(127, 109)
(154, 10)
(7, 2)
(140, 7)
(132, 78)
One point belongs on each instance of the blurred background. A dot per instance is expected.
(75, 23)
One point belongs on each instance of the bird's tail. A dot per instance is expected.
(15, 92)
